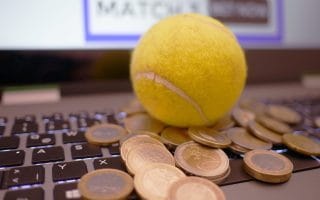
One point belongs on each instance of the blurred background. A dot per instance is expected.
(91, 40)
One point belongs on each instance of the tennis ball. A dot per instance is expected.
(188, 70)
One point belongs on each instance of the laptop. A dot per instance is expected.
(64, 73)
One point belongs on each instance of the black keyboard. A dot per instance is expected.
(36, 165)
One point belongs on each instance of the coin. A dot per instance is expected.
(284, 114)
(133, 107)
(253, 105)
(274, 125)
(224, 123)
(317, 122)
(267, 166)
(201, 161)
(301, 144)
(104, 184)
(155, 179)
(220, 179)
(143, 121)
(241, 137)
(149, 133)
(173, 136)
(105, 134)
(263, 133)
(134, 141)
(242, 117)
(209, 137)
(190, 188)
(147, 153)
(238, 149)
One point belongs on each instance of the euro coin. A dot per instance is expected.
(264, 134)
(135, 141)
(267, 166)
(147, 153)
(190, 188)
(154, 181)
(301, 144)
(274, 125)
(284, 114)
(201, 161)
(142, 121)
(238, 149)
(241, 137)
(209, 137)
(224, 123)
(253, 105)
(149, 133)
(317, 122)
(105, 134)
(173, 136)
(105, 184)
(242, 117)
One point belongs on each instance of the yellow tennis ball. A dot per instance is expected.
(188, 70)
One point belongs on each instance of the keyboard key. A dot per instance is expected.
(54, 126)
(3, 120)
(53, 117)
(1, 177)
(28, 194)
(68, 170)
(10, 142)
(78, 115)
(84, 123)
(114, 149)
(73, 137)
(11, 158)
(50, 154)
(111, 119)
(2, 129)
(24, 127)
(112, 162)
(85, 151)
(26, 118)
(108, 115)
(68, 191)
(40, 140)
(24, 176)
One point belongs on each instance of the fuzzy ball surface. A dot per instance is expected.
(188, 70)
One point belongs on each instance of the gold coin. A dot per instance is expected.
(238, 149)
(224, 123)
(173, 136)
(133, 107)
(241, 137)
(274, 124)
(149, 133)
(134, 141)
(242, 117)
(105, 134)
(253, 105)
(143, 121)
(284, 114)
(190, 188)
(267, 166)
(317, 122)
(301, 144)
(105, 184)
(155, 180)
(201, 161)
(147, 153)
(209, 137)
(263, 133)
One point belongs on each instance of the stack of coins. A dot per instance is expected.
(202, 161)
(267, 166)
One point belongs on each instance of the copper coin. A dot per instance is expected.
(241, 137)
(190, 188)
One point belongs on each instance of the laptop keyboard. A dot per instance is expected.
(33, 163)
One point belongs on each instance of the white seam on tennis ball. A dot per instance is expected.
(170, 86)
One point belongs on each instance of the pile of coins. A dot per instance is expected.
(165, 162)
